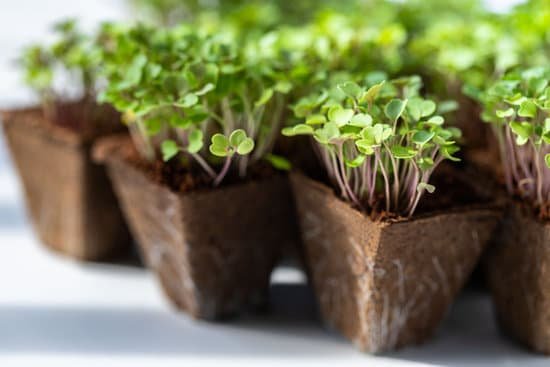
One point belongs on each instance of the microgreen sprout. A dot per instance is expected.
(379, 142)
(184, 89)
(518, 108)
(74, 56)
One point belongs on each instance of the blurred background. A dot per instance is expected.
(57, 312)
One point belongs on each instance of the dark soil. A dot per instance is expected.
(86, 118)
(180, 176)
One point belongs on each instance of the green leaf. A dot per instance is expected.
(189, 100)
(528, 108)
(329, 132)
(427, 108)
(246, 146)
(361, 120)
(219, 146)
(425, 186)
(372, 93)
(356, 162)
(339, 115)
(365, 146)
(505, 113)
(316, 119)
(402, 152)
(436, 120)
(351, 89)
(448, 150)
(169, 149)
(547, 160)
(300, 129)
(207, 88)
(422, 137)
(265, 97)
(278, 162)
(195, 139)
(395, 108)
(523, 131)
(135, 71)
(237, 137)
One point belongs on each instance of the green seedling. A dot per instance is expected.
(380, 143)
(518, 108)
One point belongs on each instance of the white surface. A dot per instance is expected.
(55, 312)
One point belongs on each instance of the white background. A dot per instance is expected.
(61, 313)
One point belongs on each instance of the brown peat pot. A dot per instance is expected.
(69, 197)
(518, 270)
(212, 249)
(386, 284)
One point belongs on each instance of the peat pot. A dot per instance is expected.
(518, 270)
(69, 198)
(212, 249)
(386, 284)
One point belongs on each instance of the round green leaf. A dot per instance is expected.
(278, 162)
(395, 108)
(361, 120)
(422, 137)
(401, 152)
(237, 137)
(316, 119)
(339, 115)
(246, 146)
(195, 141)
(169, 149)
(219, 146)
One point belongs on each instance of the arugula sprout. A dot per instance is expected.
(378, 142)
(73, 55)
(518, 108)
(184, 87)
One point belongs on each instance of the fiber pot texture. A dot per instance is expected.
(213, 249)
(386, 284)
(518, 270)
(69, 198)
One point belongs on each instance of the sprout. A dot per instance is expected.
(73, 56)
(378, 142)
(518, 108)
(184, 88)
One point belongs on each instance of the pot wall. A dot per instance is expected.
(69, 198)
(518, 269)
(384, 285)
(213, 250)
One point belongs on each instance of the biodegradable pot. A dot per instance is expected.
(213, 249)
(518, 271)
(386, 284)
(69, 198)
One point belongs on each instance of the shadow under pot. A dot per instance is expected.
(213, 249)
(518, 271)
(69, 198)
(386, 284)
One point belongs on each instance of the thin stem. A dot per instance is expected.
(224, 170)
(200, 160)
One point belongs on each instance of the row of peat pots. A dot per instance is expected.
(383, 284)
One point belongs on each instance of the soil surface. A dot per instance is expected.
(182, 177)
(79, 121)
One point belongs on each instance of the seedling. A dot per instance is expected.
(379, 142)
(518, 108)
(73, 56)
(183, 88)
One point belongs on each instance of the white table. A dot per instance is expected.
(56, 312)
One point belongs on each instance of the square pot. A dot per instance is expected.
(212, 249)
(518, 271)
(69, 198)
(386, 284)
